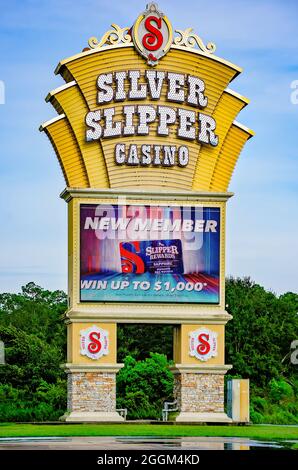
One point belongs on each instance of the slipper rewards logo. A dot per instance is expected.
(155, 256)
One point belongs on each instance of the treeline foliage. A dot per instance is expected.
(139, 340)
(259, 336)
(258, 344)
(258, 339)
(32, 383)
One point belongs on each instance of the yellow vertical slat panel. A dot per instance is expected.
(228, 107)
(68, 153)
(73, 105)
(232, 146)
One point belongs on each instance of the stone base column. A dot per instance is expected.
(91, 393)
(199, 392)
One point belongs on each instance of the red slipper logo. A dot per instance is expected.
(94, 342)
(152, 34)
(203, 344)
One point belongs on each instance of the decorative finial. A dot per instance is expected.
(152, 7)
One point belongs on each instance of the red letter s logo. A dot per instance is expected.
(204, 347)
(153, 40)
(95, 346)
(130, 260)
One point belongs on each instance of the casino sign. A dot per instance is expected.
(147, 139)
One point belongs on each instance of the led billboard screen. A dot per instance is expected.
(142, 253)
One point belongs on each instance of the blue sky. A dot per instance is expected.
(259, 35)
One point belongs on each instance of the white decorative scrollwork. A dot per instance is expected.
(189, 40)
(119, 35)
(112, 37)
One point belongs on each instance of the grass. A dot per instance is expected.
(154, 430)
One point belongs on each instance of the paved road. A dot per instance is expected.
(139, 443)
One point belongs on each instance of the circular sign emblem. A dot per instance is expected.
(94, 342)
(203, 344)
(152, 34)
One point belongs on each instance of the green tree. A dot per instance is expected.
(140, 340)
(32, 383)
(36, 311)
(259, 336)
(143, 386)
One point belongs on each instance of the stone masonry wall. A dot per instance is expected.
(177, 390)
(91, 392)
(199, 393)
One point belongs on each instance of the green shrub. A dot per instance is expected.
(53, 394)
(279, 416)
(143, 386)
(46, 412)
(280, 390)
(255, 416)
(17, 412)
(259, 404)
(47, 404)
(138, 406)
